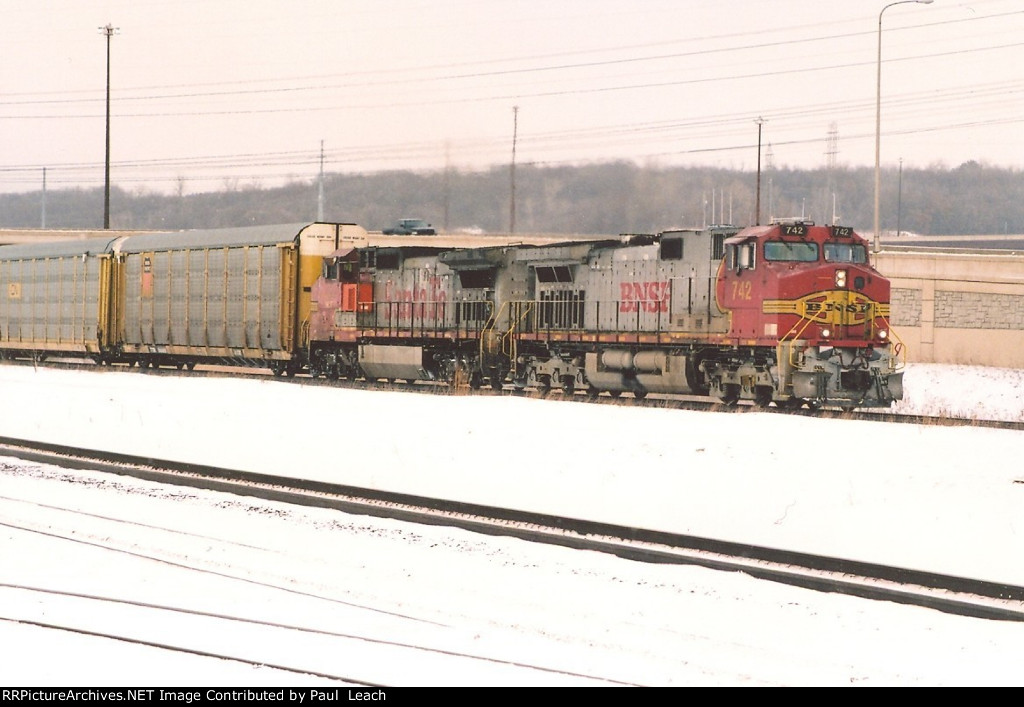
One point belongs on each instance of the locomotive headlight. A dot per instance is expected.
(840, 278)
(883, 334)
(826, 332)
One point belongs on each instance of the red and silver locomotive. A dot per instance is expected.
(789, 313)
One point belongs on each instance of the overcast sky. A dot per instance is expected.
(213, 93)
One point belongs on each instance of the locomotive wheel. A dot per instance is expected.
(569, 385)
(593, 392)
(543, 385)
(640, 394)
(730, 394)
(615, 393)
(762, 396)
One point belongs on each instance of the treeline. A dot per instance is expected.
(598, 199)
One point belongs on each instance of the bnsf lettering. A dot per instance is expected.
(851, 308)
(427, 302)
(643, 296)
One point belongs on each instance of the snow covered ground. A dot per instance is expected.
(969, 392)
(939, 498)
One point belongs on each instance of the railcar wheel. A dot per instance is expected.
(615, 393)
(640, 394)
(593, 392)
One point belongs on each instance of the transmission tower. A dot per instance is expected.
(832, 147)
(831, 153)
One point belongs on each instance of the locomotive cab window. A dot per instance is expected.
(741, 256)
(845, 253)
(341, 270)
(785, 251)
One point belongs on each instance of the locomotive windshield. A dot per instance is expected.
(845, 253)
(800, 252)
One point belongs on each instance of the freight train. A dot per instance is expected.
(789, 313)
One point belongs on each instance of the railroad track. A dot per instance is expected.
(672, 402)
(360, 641)
(951, 594)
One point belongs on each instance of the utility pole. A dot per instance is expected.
(515, 133)
(320, 196)
(447, 186)
(109, 31)
(757, 207)
(899, 200)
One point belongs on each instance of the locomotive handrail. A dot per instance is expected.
(793, 354)
(509, 342)
(899, 349)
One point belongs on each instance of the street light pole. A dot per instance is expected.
(878, 115)
(109, 31)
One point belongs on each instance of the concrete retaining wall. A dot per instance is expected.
(957, 307)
